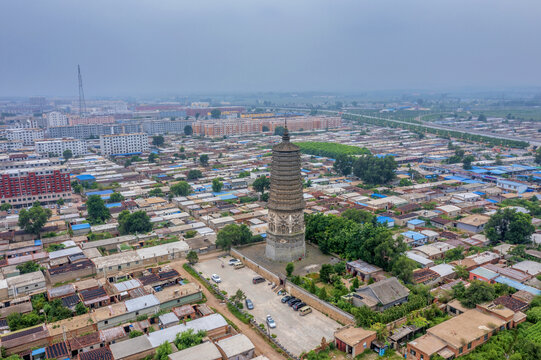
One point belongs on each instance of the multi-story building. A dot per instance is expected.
(213, 128)
(58, 146)
(22, 187)
(27, 136)
(56, 118)
(93, 130)
(124, 144)
(9, 145)
(76, 120)
(165, 126)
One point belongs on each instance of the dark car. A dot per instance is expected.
(293, 302)
(298, 305)
(258, 279)
(286, 298)
(249, 304)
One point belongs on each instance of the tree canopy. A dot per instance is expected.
(332, 150)
(98, 213)
(215, 113)
(204, 159)
(67, 154)
(375, 170)
(188, 130)
(194, 174)
(33, 219)
(509, 226)
(217, 185)
(234, 234)
(115, 197)
(181, 188)
(189, 338)
(28, 267)
(261, 184)
(136, 222)
(158, 140)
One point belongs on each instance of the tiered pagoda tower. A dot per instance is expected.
(285, 235)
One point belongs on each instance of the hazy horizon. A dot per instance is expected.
(131, 48)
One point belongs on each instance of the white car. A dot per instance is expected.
(216, 278)
(270, 322)
(234, 261)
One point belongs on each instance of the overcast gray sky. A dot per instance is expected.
(131, 47)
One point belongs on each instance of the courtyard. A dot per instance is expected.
(297, 333)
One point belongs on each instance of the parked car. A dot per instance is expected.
(249, 304)
(305, 310)
(270, 322)
(298, 305)
(286, 298)
(291, 302)
(216, 278)
(258, 279)
(233, 261)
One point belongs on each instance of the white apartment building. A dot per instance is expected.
(58, 146)
(124, 144)
(56, 118)
(27, 136)
(7, 145)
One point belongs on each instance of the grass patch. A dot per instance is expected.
(245, 318)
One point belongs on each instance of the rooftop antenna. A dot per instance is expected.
(82, 103)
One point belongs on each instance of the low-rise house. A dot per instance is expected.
(362, 269)
(414, 238)
(483, 274)
(474, 223)
(424, 262)
(382, 294)
(205, 351)
(354, 341)
(236, 347)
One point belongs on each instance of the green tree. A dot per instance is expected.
(136, 333)
(188, 130)
(34, 219)
(163, 351)
(509, 226)
(60, 202)
(5, 207)
(80, 308)
(538, 155)
(98, 213)
(192, 257)
(290, 267)
(233, 234)
(194, 174)
(244, 174)
(217, 185)
(136, 222)
(478, 292)
(181, 188)
(374, 170)
(340, 268)
(215, 113)
(158, 140)
(359, 216)
(153, 157)
(265, 128)
(343, 164)
(67, 154)
(261, 184)
(322, 294)
(482, 118)
(156, 192)
(403, 269)
(189, 338)
(28, 267)
(405, 182)
(355, 284)
(204, 159)
(325, 272)
(455, 254)
(279, 130)
(115, 198)
(467, 161)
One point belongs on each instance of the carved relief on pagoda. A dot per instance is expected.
(297, 222)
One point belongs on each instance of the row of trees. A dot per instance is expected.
(440, 132)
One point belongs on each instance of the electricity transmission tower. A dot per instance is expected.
(82, 103)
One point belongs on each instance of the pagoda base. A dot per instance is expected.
(285, 248)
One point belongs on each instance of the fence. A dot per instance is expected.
(254, 323)
(330, 310)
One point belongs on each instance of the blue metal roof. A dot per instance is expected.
(128, 154)
(38, 351)
(379, 196)
(113, 205)
(102, 192)
(384, 219)
(80, 226)
(479, 193)
(228, 197)
(517, 285)
(416, 222)
(483, 272)
(84, 177)
(414, 235)
(492, 201)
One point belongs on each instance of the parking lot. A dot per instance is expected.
(297, 333)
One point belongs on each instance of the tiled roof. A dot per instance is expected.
(103, 353)
(85, 341)
(57, 351)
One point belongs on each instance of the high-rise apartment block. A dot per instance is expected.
(58, 146)
(124, 144)
(56, 118)
(23, 187)
(27, 136)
